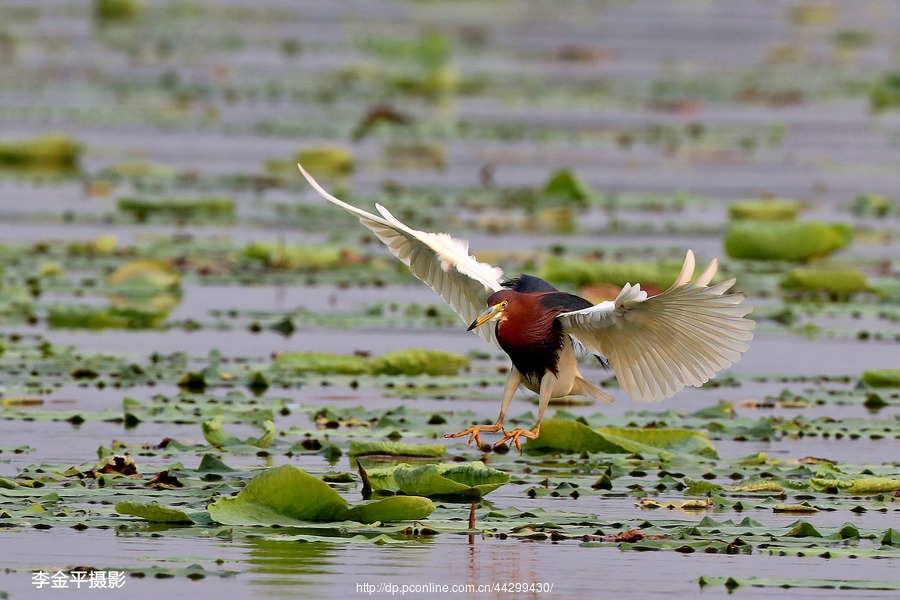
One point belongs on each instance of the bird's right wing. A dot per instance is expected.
(443, 263)
(658, 345)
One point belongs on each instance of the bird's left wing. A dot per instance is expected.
(443, 263)
(658, 345)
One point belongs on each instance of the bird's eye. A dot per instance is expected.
(504, 304)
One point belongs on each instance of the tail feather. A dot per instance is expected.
(583, 387)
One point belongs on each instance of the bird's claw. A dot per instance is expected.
(474, 431)
(513, 437)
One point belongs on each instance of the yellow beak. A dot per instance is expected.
(491, 313)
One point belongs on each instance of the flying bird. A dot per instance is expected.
(655, 345)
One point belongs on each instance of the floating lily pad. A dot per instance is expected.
(117, 10)
(418, 362)
(840, 282)
(216, 435)
(581, 273)
(85, 316)
(153, 512)
(565, 187)
(572, 436)
(290, 496)
(294, 256)
(785, 240)
(468, 481)
(402, 362)
(765, 210)
(864, 486)
(52, 151)
(145, 276)
(196, 210)
(881, 378)
(326, 160)
(379, 448)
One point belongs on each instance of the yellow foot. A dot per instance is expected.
(513, 437)
(473, 432)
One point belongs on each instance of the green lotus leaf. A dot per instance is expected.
(773, 209)
(882, 378)
(294, 256)
(785, 240)
(572, 436)
(178, 208)
(471, 481)
(289, 496)
(891, 538)
(320, 362)
(326, 160)
(803, 529)
(369, 447)
(395, 508)
(835, 281)
(418, 362)
(153, 512)
(145, 276)
(565, 186)
(215, 434)
(54, 151)
(581, 273)
(283, 495)
(864, 486)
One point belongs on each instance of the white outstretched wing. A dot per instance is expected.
(657, 346)
(440, 261)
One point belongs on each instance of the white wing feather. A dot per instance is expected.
(657, 346)
(443, 263)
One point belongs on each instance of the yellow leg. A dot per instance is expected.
(474, 430)
(513, 436)
(513, 380)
